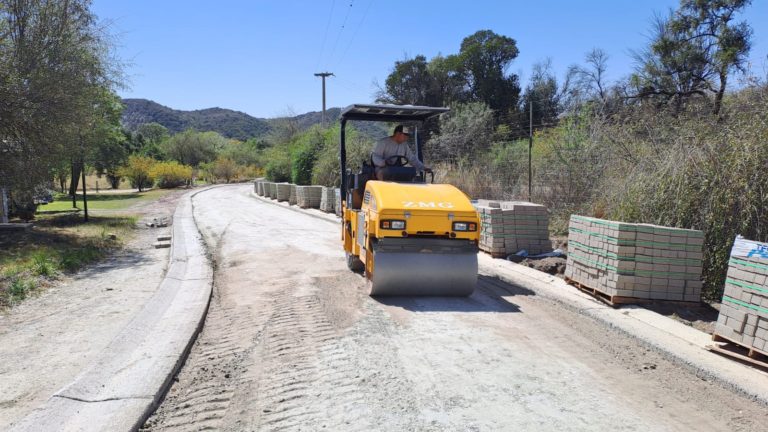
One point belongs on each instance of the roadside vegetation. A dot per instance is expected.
(59, 245)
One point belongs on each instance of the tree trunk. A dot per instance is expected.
(720, 93)
(3, 205)
(62, 182)
(114, 181)
(74, 183)
(85, 199)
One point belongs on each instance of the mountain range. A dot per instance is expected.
(229, 123)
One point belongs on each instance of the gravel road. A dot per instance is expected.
(292, 343)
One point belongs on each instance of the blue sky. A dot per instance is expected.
(259, 56)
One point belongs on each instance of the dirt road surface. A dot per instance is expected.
(292, 343)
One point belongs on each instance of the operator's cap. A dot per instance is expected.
(402, 129)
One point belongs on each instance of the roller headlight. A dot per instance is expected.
(393, 224)
(464, 226)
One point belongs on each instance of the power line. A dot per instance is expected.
(360, 24)
(341, 30)
(325, 36)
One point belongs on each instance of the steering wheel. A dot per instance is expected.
(396, 161)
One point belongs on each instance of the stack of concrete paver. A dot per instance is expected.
(508, 227)
(744, 311)
(283, 192)
(309, 196)
(639, 261)
(292, 197)
(328, 200)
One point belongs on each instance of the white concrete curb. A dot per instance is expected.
(679, 342)
(124, 385)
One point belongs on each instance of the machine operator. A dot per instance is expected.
(396, 145)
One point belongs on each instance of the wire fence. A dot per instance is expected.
(563, 179)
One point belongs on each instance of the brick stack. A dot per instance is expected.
(508, 227)
(270, 190)
(328, 200)
(635, 260)
(292, 197)
(744, 311)
(309, 196)
(337, 194)
(283, 191)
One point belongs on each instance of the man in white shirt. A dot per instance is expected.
(395, 145)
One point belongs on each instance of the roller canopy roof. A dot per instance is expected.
(393, 113)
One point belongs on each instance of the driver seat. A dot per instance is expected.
(400, 174)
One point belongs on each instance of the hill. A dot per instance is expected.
(230, 123)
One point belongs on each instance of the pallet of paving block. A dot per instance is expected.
(731, 348)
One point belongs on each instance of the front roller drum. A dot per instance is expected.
(424, 267)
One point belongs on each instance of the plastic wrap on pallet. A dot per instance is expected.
(743, 314)
(641, 261)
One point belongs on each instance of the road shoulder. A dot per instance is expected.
(128, 378)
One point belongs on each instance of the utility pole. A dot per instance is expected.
(530, 151)
(324, 75)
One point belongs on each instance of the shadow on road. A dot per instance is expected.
(488, 297)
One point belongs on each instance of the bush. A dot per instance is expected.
(170, 174)
(139, 171)
(278, 166)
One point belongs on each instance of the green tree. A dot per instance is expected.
(484, 59)
(466, 130)
(54, 58)
(150, 138)
(693, 52)
(193, 148)
(544, 94)
(304, 156)
(409, 83)
(108, 143)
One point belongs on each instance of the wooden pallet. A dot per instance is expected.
(495, 254)
(614, 301)
(606, 298)
(731, 348)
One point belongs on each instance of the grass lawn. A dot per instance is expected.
(60, 243)
(102, 201)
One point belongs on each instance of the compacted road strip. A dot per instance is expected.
(291, 342)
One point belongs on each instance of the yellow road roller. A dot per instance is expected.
(410, 236)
